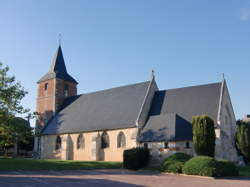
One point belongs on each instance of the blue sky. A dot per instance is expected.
(112, 43)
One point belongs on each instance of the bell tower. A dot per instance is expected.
(53, 88)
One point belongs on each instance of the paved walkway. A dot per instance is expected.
(111, 178)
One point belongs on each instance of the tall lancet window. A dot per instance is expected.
(80, 142)
(66, 90)
(121, 140)
(58, 143)
(105, 140)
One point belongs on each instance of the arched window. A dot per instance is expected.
(121, 140)
(166, 145)
(58, 143)
(80, 142)
(105, 140)
(46, 86)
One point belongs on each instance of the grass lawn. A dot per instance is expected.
(245, 171)
(31, 164)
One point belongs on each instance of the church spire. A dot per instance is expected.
(58, 64)
(58, 69)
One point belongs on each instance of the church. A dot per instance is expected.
(99, 126)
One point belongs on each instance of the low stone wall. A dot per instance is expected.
(159, 151)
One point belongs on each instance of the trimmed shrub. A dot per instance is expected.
(208, 166)
(136, 158)
(226, 168)
(243, 139)
(203, 135)
(174, 163)
(201, 165)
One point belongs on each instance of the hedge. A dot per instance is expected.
(226, 168)
(243, 139)
(136, 158)
(174, 163)
(208, 166)
(201, 165)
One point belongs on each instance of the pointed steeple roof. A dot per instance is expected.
(58, 69)
(58, 64)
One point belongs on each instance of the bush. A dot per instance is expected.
(174, 163)
(208, 166)
(226, 168)
(203, 135)
(136, 158)
(201, 165)
(243, 139)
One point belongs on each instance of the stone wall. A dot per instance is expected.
(45, 101)
(59, 92)
(225, 132)
(92, 147)
(159, 152)
(50, 99)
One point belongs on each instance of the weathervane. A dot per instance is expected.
(152, 74)
(223, 76)
(59, 38)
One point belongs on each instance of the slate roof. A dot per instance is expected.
(58, 69)
(173, 109)
(108, 109)
(166, 127)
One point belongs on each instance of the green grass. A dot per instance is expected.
(245, 171)
(8, 164)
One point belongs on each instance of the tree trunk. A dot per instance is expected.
(15, 148)
(5, 152)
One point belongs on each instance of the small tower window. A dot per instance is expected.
(46, 86)
(187, 145)
(66, 90)
(166, 145)
(145, 145)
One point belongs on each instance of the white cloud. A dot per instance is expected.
(245, 14)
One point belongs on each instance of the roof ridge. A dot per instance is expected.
(134, 84)
(199, 85)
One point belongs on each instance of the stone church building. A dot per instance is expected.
(102, 124)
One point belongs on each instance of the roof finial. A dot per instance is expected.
(152, 74)
(59, 38)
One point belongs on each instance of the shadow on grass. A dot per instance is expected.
(31, 164)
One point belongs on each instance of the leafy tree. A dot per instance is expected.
(203, 135)
(243, 139)
(14, 133)
(11, 94)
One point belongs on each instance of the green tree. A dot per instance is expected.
(11, 94)
(203, 135)
(243, 139)
(14, 133)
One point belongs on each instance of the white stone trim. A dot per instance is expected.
(220, 102)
